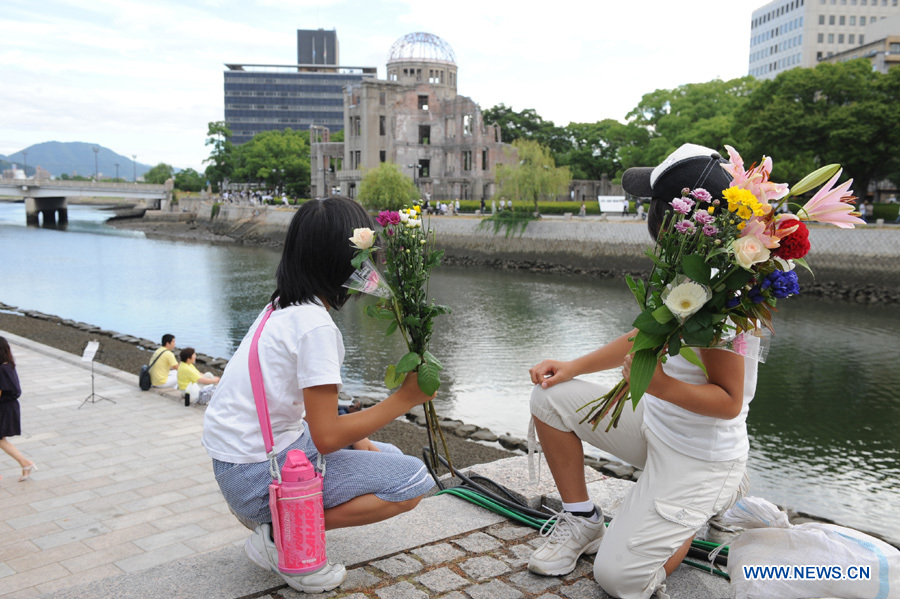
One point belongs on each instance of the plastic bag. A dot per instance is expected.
(772, 558)
(193, 391)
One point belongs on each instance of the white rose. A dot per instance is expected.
(404, 216)
(749, 250)
(686, 299)
(362, 238)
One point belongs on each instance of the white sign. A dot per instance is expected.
(611, 203)
(90, 351)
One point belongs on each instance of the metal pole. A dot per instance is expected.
(96, 170)
(134, 168)
(25, 160)
(117, 171)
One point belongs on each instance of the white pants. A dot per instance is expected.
(673, 498)
(171, 381)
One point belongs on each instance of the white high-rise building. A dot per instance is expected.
(799, 33)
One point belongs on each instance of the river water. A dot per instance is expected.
(823, 425)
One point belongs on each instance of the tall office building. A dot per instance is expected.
(800, 33)
(260, 97)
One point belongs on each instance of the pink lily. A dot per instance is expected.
(762, 230)
(756, 180)
(832, 205)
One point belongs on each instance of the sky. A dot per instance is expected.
(145, 77)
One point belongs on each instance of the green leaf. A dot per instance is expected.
(662, 315)
(429, 378)
(642, 367)
(411, 321)
(429, 358)
(802, 262)
(392, 378)
(644, 341)
(391, 328)
(637, 289)
(646, 323)
(359, 258)
(409, 362)
(738, 279)
(691, 356)
(696, 268)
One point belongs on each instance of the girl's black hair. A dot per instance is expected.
(315, 262)
(6, 353)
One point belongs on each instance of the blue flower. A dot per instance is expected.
(733, 302)
(783, 284)
(756, 295)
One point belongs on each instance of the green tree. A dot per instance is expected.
(159, 174)
(597, 148)
(276, 159)
(387, 188)
(528, 124)
(221, 159)
(189, 180)
(530, 174)
(842, 113)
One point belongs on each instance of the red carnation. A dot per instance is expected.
(795, 245)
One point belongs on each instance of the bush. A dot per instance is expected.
(544, 207)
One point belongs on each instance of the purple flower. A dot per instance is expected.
(383, 218)
(684, 226)
(702, 217)
(782, 284)
(733, 302)
(756, 295)
(682, 205)
(701, 195)
(710, 230)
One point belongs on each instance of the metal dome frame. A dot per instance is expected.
(421, 47)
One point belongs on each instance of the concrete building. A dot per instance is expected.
(261, 97)
(799, 33)
(882, 47)
(416, 119)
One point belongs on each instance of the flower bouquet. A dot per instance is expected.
(719, 267)
(402, 291)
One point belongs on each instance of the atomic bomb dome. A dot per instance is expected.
(421, 47)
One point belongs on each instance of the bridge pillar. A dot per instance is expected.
(52, 211)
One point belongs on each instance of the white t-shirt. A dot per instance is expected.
(300, 347)
(702, 437)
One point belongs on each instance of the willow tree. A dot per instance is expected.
(386, 188)
(530, 174)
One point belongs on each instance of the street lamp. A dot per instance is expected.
(25, 160)
(96, 170)
(415, 168)
(117, 171)
(133, 168)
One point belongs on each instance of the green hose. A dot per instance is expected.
(479, 499)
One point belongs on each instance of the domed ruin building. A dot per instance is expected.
(415, 119)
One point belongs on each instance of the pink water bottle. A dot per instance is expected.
(300, 526)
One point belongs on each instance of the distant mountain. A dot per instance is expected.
(6, 163)
(77, 158)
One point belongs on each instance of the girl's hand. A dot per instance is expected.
(365, 445)
(551, 372)
(410, 393)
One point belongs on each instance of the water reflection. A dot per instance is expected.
(822, 426)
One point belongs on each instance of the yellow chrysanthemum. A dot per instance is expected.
(418, 208)
(742, 202)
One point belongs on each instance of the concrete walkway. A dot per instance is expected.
(125, 505)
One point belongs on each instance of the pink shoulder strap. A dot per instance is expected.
(259, 390)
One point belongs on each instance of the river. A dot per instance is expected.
(823, 425)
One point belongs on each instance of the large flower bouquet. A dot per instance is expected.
(409, 256)
(719, 267)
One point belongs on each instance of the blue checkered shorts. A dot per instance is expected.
(389, 474)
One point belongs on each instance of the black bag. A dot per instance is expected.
(144, 378)
(144, 374)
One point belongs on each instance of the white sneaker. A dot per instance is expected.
(260, 548)
(567, 538)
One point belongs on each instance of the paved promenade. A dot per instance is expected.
(125, 505)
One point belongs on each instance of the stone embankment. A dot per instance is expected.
(857, 265)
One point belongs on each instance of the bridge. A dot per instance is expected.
(47, 199)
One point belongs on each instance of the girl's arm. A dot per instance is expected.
(611, 355)
(331, 431)
(722, 396)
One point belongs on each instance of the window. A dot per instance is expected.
(821, 39)
(840, 38)
(425, 167)
(381, 125)
(830, 38)
(423, 102)
(862, 20)
(895, 48)
(381, 98)
(467, 124)
(425, 134)
(467, 160)
(382, 156)
(356, 126)
(842, 20)
(862, 39)
(449, 127)
(851, 38)
(853, 20)
(392, 76)
(831, 19)
(484, 155)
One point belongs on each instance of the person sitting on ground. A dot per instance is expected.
(301, 351)
(188, 373)
(688, 433)
(163, 365)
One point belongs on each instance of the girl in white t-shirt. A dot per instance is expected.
(688, 433)
(301, 352)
